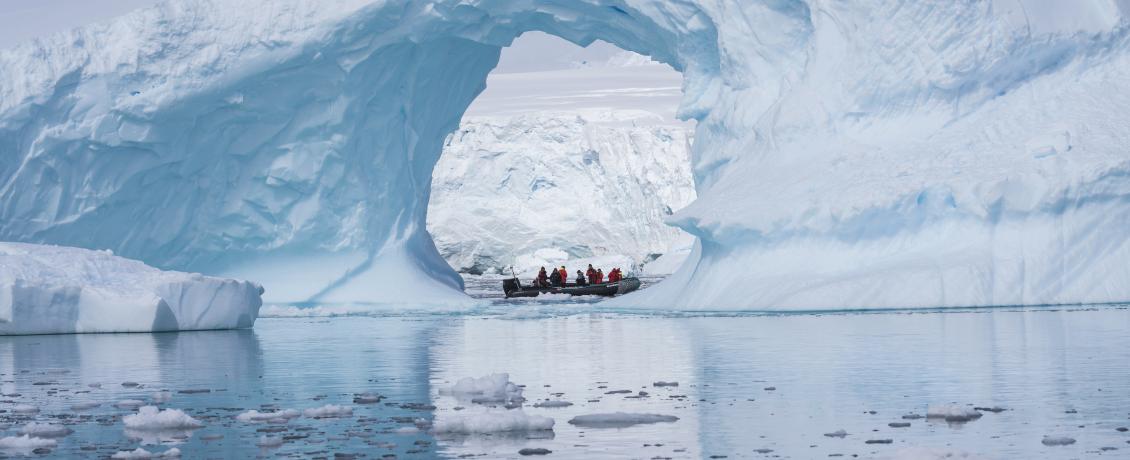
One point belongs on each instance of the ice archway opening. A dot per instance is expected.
(292, 145)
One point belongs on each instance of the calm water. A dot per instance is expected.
(1058, 372)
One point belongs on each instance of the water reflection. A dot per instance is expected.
(746, 385)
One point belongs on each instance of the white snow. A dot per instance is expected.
(54, 289)
(45, 430)
(150, 418)
(254, 416)
(952, 412)
(950, 154)
(491, 421)
(493, 388)
(327, 411)
(619, 419)
(140, 453)
(24, 444)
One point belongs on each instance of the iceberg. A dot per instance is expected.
(53, 290)
(875, 154)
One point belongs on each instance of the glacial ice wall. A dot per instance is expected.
(847, 154)
(507, 187)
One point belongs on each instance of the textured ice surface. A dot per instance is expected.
(23, 444)
(140, 453)
(52, 289)
(254, 416)
(328, 411)
(45, 430)
(151, 418)
(848, 154)
(492, 421)
(489, 388)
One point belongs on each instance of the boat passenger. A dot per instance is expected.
(613, 276)
(599, 276)
(542, 280)
(590, 274)
(580, 278)
(564, 275)
(555, 278)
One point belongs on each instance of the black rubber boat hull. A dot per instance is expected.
(512, 288)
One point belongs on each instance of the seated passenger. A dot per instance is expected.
(590, 274)
(564, 274)
(580, 278)
(555, 278)
(542, 280)
(599, 276)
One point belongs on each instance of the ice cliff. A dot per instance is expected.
(51, 289)
(847, 154)
(506, 188)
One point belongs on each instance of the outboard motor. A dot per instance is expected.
(511, 285)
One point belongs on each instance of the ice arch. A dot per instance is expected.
(863, 154)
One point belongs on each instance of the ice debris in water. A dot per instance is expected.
(952, 413)
(140, 453)
(269, 441)
(328, 410)
(25, 409)
(151, 418)
(931, 453)
(553, 404)
(492, 421)
(367, 398)
(24, 444)
(494, 388)
(665, 384)
(84, 406)
(254, 416)
(836, 434)
(45, 430)
(161, 397)
(619, 419)
(1057, 441)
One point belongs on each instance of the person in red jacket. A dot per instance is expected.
(543, 278)
(599, 276)
(564, 275)
(614, 275)
(591, 274)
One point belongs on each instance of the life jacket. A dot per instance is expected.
(564, 274)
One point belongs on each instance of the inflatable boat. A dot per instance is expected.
(514, 288)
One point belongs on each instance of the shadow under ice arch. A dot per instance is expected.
(291, 144)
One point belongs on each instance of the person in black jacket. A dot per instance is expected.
(555, 278)
(580, 278)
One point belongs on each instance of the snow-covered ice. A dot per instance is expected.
(493, 388)
(328, 411)
(151, 418)
(620, 419)
(492, 421)
(950, 154)
(269, 441)
(554, 403)
(24, 444)
(54, 289)
(130, 404)
(25, 409)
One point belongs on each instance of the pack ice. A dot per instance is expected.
(52, 289)
(877, 154)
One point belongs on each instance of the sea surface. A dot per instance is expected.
(748, 386)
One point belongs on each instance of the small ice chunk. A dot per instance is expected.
(254, 416)
(130, 404)
(994, 409)
(329, 410)
(553, 404)
(367, 398)
(494, 388)
(534, 451)
(84, 406)
(952, 413)
(619, 419)
(492, 421)
(878, 441)
(836, 434)
(140, 453)
(161, 397)
(130, 384)
(25, 409)
(23, 445)
(150, 418)
(269, 441)
(45, 430)
(212, 437)
(1057, 441)
(405, 430)
(898, 424)
(94, 385)
(665, 384)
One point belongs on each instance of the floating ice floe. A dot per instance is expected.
(328, 410)
(25, 409)
(45, 430)
(150, 418)
(492, 421)
(553, 404)
(665, 384)
(140, 453)
(254, 416)
(836, 434)
(1057, 441)
(161, 397)
(269, 441)
(130, 404)
(619, 420)
(952, 412)
(494, 388)
(22, 445)
(77, 407)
